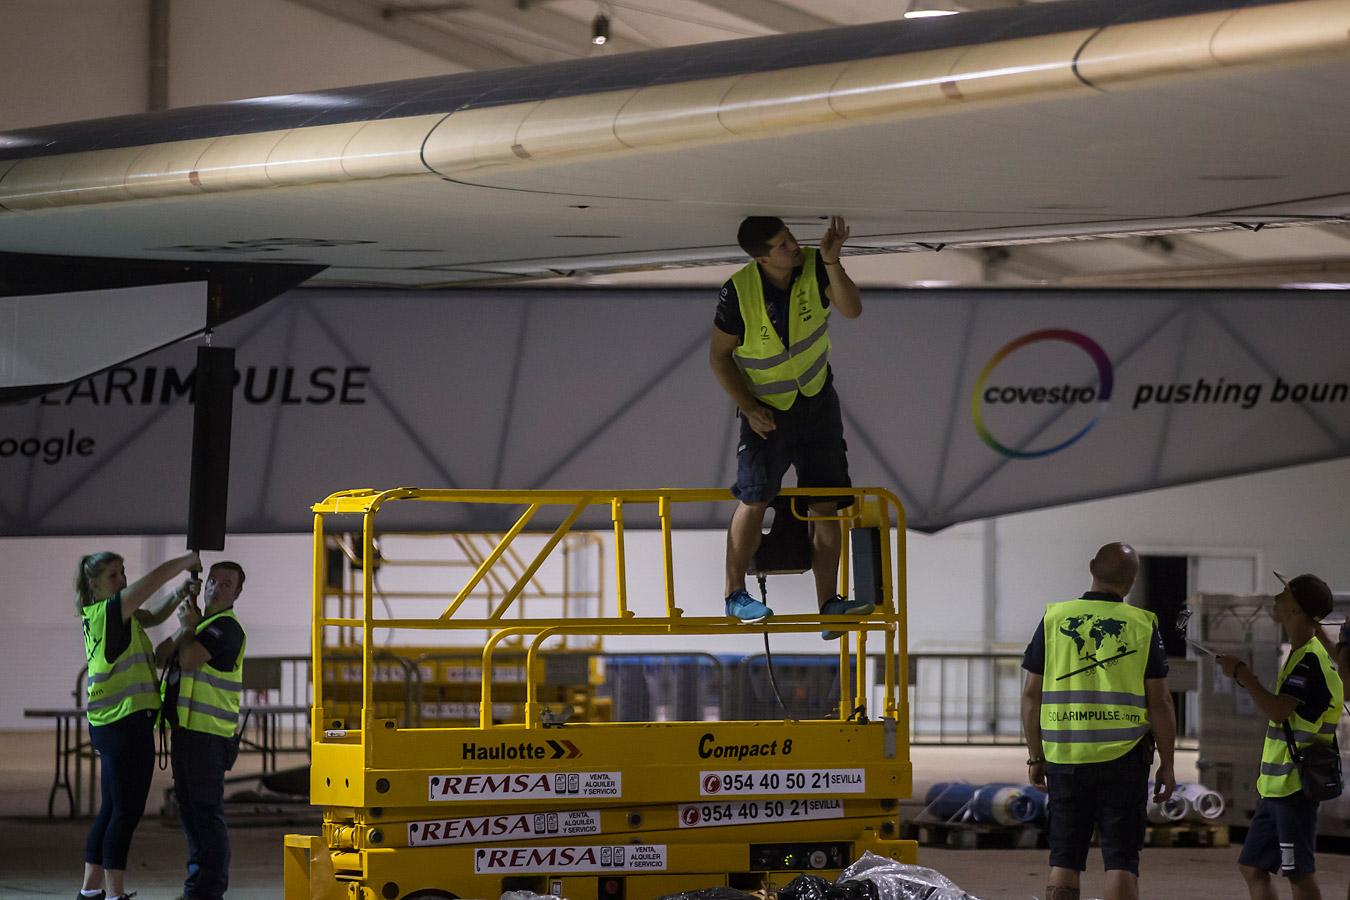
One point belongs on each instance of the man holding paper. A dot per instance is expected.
(1303, 711)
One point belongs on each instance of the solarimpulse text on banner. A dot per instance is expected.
(162, 385)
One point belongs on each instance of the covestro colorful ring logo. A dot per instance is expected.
(1042, 395)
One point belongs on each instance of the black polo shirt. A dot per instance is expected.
(1308, 685)
(1033, 660)
(116, 630)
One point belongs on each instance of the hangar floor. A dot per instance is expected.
(40, 858)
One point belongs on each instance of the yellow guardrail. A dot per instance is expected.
(871, 507)
(498, 570)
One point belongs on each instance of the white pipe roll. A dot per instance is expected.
(1204, 803)
(1170, 811)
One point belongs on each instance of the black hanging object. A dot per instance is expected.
(867, 567)
(210, 485)
(786, 549)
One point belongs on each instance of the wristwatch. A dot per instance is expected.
(1035, 760)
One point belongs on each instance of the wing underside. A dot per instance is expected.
(1225, 116)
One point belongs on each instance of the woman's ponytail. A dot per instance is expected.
(88, 569)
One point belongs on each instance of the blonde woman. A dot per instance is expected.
(123, 700)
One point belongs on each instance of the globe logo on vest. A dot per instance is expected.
(1051, 398)
(1095, 629)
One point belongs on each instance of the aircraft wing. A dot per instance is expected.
(1038, 123)
(1045, 122)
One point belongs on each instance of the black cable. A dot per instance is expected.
(170, 666)
(768, 654)
(162, 725)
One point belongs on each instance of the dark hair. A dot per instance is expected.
(756, 232)
(233, 567)
(89, 568)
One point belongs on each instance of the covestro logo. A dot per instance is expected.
(991, 392)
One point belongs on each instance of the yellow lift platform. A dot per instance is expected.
(610, 810)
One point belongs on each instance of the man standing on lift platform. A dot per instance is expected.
(770, 352)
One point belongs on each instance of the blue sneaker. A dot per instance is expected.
(842, 606)
(741, 605)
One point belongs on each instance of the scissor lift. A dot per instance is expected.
(603, 809)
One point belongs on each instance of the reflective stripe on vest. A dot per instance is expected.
(1119, 698)
(208, 698)
(777, 373)
(1300, 737)
(126, 685)
(1097, 735)
(1093, 704)
(1279, 775)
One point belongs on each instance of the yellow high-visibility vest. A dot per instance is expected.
(127, 684)
(777, 373)
(209, 698)
(1279, 775)
(1093, 704)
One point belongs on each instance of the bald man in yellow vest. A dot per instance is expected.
(1095, 705)
(770, 352)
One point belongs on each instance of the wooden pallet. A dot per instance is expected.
(973, 836)
(1187, 834)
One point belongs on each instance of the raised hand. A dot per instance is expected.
(833, 241)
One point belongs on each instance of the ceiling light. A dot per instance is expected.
(600, 30)
(927, 9)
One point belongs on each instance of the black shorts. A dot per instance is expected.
(809, 437)
(1282, 836)
(1111, 797)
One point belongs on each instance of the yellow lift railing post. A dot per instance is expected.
(317, 615)
(367, 632)
(899, 635)
(667, 557)
(620, 561)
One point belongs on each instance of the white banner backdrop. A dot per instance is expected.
(965, 403)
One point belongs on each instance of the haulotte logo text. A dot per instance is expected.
(1091, 397)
